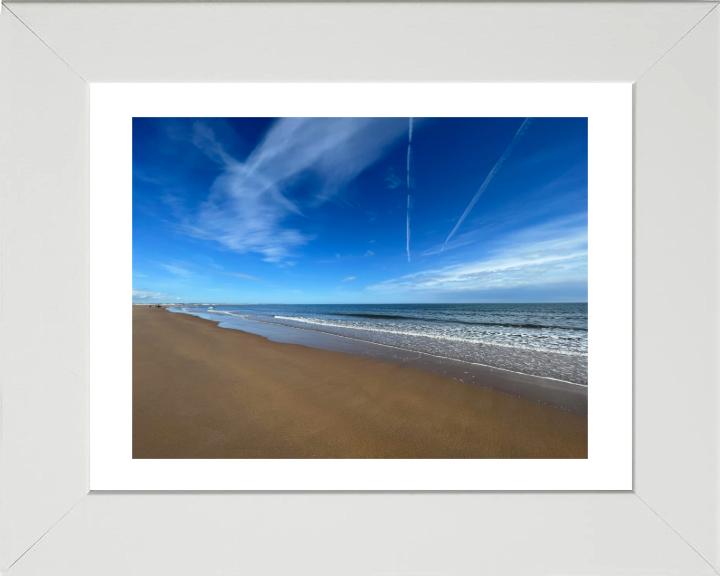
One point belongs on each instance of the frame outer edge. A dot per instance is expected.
(10, 158)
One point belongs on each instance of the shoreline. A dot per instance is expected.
(568, 396)
(203, 392)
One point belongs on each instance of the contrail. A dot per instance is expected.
(408, 229)
(525, 125)
(409, 163)
(409, 182)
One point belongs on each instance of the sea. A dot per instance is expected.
(545, 340)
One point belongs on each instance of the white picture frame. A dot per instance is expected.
(49, 523)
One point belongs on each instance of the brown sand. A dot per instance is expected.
(200, 391)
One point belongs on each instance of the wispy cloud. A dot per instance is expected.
(145, 295)
(249, 202)
(204, 138)
(392, 180)
(177, 270)
(523, 127)
(459, 241)
(241, 276)
(534, 257)
(349, 278)
(213, 264)
(369, 253)
(248, 277)
(140, 175)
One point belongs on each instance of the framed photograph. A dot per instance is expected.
(311, 240)
(417, 293)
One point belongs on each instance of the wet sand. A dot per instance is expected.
(200, 391)
(565, 395)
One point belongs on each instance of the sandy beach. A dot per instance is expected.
(200, 391)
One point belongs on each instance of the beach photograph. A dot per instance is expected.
(363, 288)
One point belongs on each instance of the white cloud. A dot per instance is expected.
(369, 253)
(459, 241)
(177, 270)
(538, 256)
(392, 180)
(145, 295)
(348, 278)
(248, 203)
(241, 276)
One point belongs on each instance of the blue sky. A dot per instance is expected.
(359, 210)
